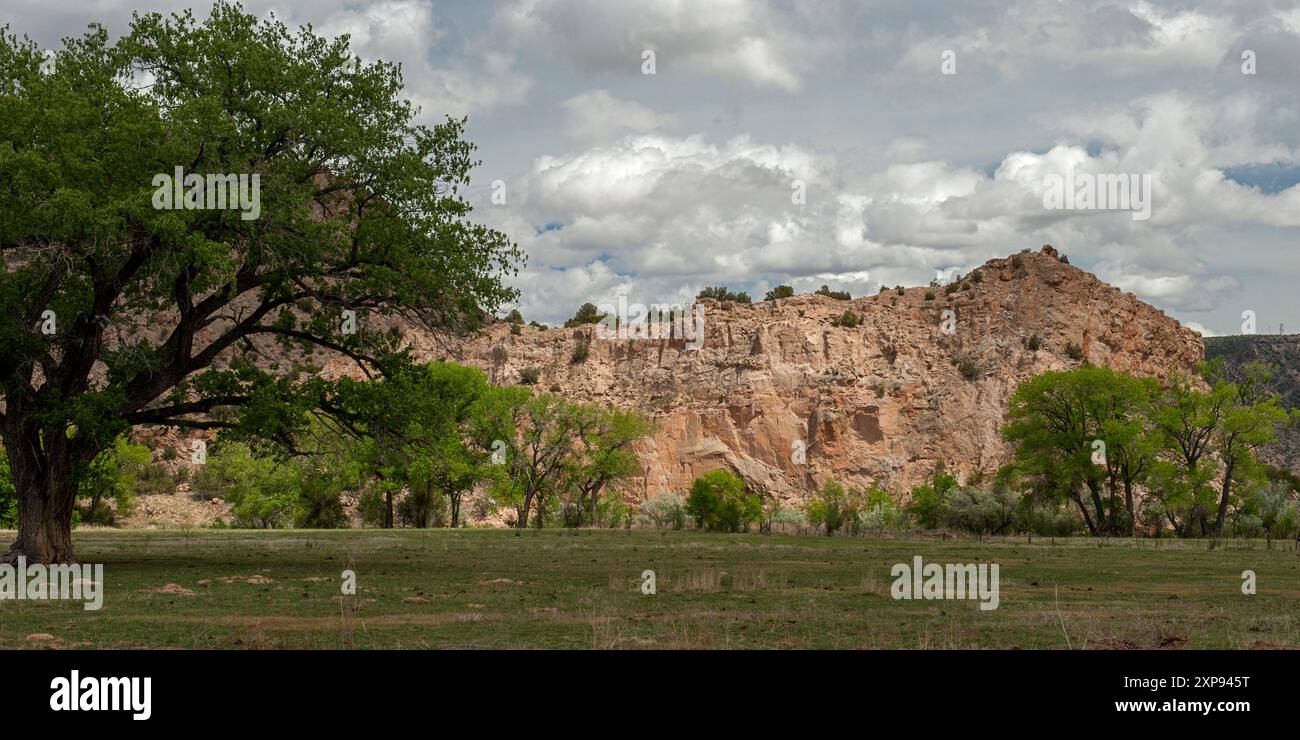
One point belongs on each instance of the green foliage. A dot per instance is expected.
(8, 495)
(982, 510)
(116, 474)
(580, 351)
(833, 508)
(967, 367)
(1056, 422)
(720, 293)
(514, 317)
(665, 511)
(360, 208)
(780, 291)
(928, 504)
(976, 276)
(847, 320)
(880, 511)
(1033, 343)
(1275, 506)
(929, 295)
(262, 491)
(530, 375)
(839, 295)
(1073, 351)
(718, 502)
(587, 314)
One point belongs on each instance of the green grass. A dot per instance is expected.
(580, 589)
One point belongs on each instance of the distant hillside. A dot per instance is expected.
(1283, 352)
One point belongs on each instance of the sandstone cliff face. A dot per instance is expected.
(883, 401)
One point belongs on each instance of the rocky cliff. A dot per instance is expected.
(886, 400)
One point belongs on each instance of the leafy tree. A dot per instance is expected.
(514, 317)
(780, 291)
(929, 500)
(833, 508)
(587, 314)
(1275, 505)
(1186, 419)
(1055, 422)
(359, 210)
(605, 457)
(537, 435)
(1251, 417)
(719, 502)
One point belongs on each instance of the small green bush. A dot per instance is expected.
(530, 376)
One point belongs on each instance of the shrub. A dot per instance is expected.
(780, 291)
(580, 351)
(880, 511)
(514, 317)
(1062, 258)
(951, 288)
(839, 295)
(666, 511)
(1033, 343)
(786, 515)
(929, 295)
(981, 511)
(530, 375)
(718, 502)
(515, 330)
(1073, 351)
(720, 293)
(262, 492)
(976, 276)
(967, 367)
(555, 388)
(833, 508)
(899, 289)
(848, 320)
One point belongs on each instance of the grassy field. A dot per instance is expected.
(581, 589)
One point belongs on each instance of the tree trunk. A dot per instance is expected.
(388, 510)
(1128, 504)
(455, 511)
(1223, 500)
(522, 513)
(1092, 528)
(46, 495)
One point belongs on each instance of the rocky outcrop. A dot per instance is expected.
(882, 401)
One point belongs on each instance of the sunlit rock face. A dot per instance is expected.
(786, 399)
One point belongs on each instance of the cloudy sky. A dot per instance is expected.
(619, 182)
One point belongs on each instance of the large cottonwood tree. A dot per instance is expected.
(116, 313)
